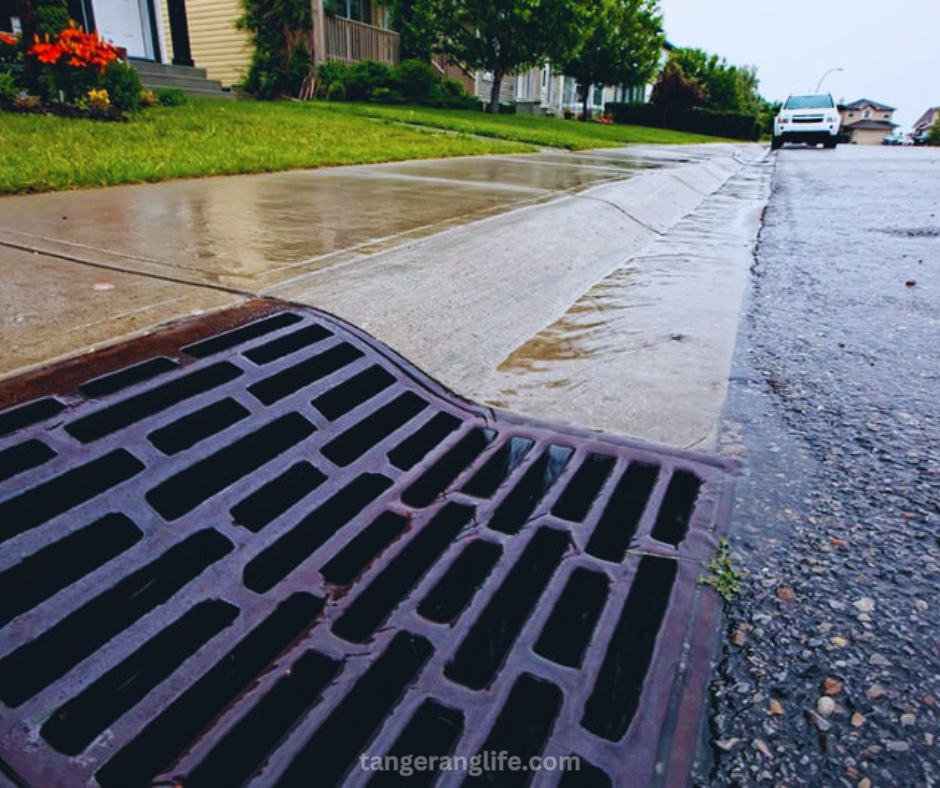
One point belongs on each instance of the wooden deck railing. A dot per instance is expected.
(351, 41)
(451, 70)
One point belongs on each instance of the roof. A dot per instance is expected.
(869, 103)
(928, 118)
(875, 125)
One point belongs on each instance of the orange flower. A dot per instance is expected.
(46, 52)
(83, 50)
(9, 40)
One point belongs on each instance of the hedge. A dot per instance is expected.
(700, 121)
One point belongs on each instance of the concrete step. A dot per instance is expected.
(152, 67)
(190, 80)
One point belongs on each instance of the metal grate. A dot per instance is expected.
(260, 552)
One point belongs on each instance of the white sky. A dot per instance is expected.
(890, 50)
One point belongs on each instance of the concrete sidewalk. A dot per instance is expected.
(472, 268)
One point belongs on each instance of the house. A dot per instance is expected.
(866, 122)
(166, 38)
(926, 122)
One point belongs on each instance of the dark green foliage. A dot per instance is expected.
(417, 24)
(123, 85)
(365, 77)
(280, 33)
(8, 87)
(732, 125)
(675, 91)
(727, 88)
(416, 80)
(336, 92)
(172, 97)
(52, 17)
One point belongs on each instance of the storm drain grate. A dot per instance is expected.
(256, 554)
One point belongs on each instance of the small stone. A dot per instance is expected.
(908, 719)
(880, 661)
(875, 691)
(851, 772)
(761, 746)
(728, 744)
(102, 287)
(929, 700)
(818, 721)
(832, 686)
(785, 593)
(898, 746)
(857, 720)
(739, 637)
(836, 542)
(921, 605)
(865, 605)
(775, 707)
(825, 705)
(928, 739)
(839, 642)
(864, 783)
(910, 283)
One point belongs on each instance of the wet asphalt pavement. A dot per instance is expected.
(830, 670)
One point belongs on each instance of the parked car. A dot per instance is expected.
(811, 119)
(920, 137)
(893, 139)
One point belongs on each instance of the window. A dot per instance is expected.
(809, 102)
(357, 10)
(867, 113)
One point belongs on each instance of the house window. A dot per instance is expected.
(357, 10)
(867, 113)
(851, 114)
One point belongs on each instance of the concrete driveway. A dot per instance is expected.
(564, 285)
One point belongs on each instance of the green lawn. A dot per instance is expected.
(209, 137)
(547, 132)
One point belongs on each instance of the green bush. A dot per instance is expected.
(278, 30)
(366, 77)
(123, 85)
(172, 97)
(416, 80)
(336, 92)
(387, 96)
(8, 87)
(700, 121)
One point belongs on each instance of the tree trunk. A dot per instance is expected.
(585, 96)
(494, 93)
(26, 10)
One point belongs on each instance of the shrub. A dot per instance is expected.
(172, 97)
(366, 77)
(416, 80)
(336, 92)
(73, 63)
(8, 87)
(99, 100)
(387, 96)
(280, 32)
(123, 85)
(148, 98)
(700, 121)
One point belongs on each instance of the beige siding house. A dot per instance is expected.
(867, 122)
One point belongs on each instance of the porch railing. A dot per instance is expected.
(349, 40)
(452, 70)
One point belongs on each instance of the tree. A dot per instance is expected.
(280, 31)
(674, 91)
(622, 46)
(727, 88)
(508, 36)
(417, 23)
(933, 138)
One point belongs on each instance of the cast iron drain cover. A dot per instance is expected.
(257, 546)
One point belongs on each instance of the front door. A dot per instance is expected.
(122, 23)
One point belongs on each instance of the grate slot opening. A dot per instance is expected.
(370, 609)
(519, 503)
(359, 554)
(246, 746)
(76, 724)
(586, 776)
(672, 522)
(23, 457)
(464, 578)
(522, 728)
(439, 476)
(284, 346)
(186, 432)
(230, 339)
(571, 624)
(287, 381)
(618, 523)
(36, 664)
(148, 403)
(335, 746)
(110, 384)
(431, 732)
(616, 695)
(175, 729)
(50, 499)
(585, 485)
(45, 573)
(349, 446)
(350, 394)
(489, 640)
(271, 500)
(29, 414)
(189, 488)
(279, 559)
(418, 445)
(486, 481)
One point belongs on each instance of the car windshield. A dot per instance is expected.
(808, 102)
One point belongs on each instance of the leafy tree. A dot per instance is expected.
(509, 36)
(675, 91)
(622, 46)
(727, 88)
(417, 23)
(934, 137)
(280, 32)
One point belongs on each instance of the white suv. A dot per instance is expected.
(809, 119)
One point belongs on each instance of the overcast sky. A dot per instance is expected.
(890, 50)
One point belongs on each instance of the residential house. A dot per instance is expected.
(926, 122)
(202, 33)
(866, 122)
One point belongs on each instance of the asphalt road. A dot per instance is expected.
(830, 672)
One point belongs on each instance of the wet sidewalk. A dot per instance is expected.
(460, 265)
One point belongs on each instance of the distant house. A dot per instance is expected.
(926, 122)
(867, 122)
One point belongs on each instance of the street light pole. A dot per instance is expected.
(830, 71)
